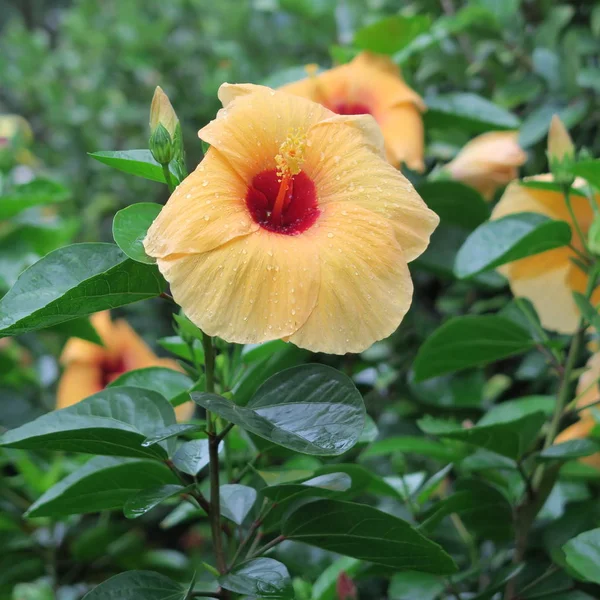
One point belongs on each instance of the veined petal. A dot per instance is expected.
(344, 170)
(206, 210)
(253, 289)
(255, 122)
(78, 381)
(403, 131)
(366, 287)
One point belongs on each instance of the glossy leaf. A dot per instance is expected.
(410, 444)
(103, 483)
(113, 422)
(172, 431)
(509, 438)
(191, 457)
(147, 499)
(589, 170)
(469, 341)
(237, 501)
(366, 533)
(259, 578)
(72, 282)
(569, 450)
(130, 227)
(135, 162)
(167, 382)
(508, 239)
(35, 193)
(391, 34)
(512, 410)
(312, 409)
(582, 554)
(139, 585)
(469, 112)
(326, 485)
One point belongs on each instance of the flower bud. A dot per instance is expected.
(162, 113)
(594, 236)
(345, 588)
(161, 145)
(560, 144)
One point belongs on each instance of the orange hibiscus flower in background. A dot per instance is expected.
(293, 226)
(548, 279)
(488, 162)
(587, 388)
(372, 84)
(89, 368)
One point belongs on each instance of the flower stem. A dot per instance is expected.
(168, 178)
(576, 226)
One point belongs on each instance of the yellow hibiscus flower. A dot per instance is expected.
(587, 388)
(548, 279)
(293, 226)
(89, 368)
(372, 84)
(488, 162)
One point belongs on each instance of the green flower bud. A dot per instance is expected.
(561, 152)
(161, 145)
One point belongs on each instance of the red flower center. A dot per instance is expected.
(287, 206)
(351, 108)
(110, 369)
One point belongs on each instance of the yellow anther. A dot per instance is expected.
(291, 154)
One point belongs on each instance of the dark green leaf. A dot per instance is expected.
(589, 170)
(469, 112)
(324, 587)
(511, 410)
(167, 382)
(391, 34)
(134, 162)
(582, 554)
(72, 282)
(192, 457)
(312, 409)
(80, 328)
(587, 310)
(366, 533)
(34, 193)
(464, 342)
(410, 444)
(138, 585)
(237, 501)
(412, 584)
(147, 499)
(456, 391)
(113, 422)
(103, 483)
(569, 450)
(130, 227)
(509, 438)
(172, 431)
(260, 578)
(508, 239)
(320, 486)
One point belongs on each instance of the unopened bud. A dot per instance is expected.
(162, 113)
(345, 588)
(161, 145)
(560, 144)
(594, 236)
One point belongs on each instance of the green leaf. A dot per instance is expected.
(512, 410)
(366, 533)
(237, 501)
(80, 328)
(147, 499)
(103, 483)
(172, 431)
(139, 585)
(582, 554)
(510, 438)
(456, 391)
(508, 239)
(569, 450)
(589, 170)
(134, 162)
(113, 422)
(324, 587)
(469, 112)
(320, 486)
(391, 34)
(312, 409)
(280, 78)
(35, 193)
(412, 584)
(73, 282)
(469, 341)
(409, 444)
(130, 227)
(167, 382)
(587, 310)
(259, 578)
(192, 457)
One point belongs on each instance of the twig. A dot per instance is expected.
(268, 546)
(168, 178)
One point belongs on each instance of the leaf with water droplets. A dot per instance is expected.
(260, 578)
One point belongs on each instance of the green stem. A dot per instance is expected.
(168, 178)
(576, 226)
(268, 546)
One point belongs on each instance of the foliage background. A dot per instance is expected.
(83, 73)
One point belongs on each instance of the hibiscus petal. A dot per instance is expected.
(253, 289)
(402, 128)
(366, 287)
(78, 381)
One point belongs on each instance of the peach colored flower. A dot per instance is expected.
(89, 368)
(293, 226)
(548, 279)
(587, 388)
(489, 161)
(372, 84)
